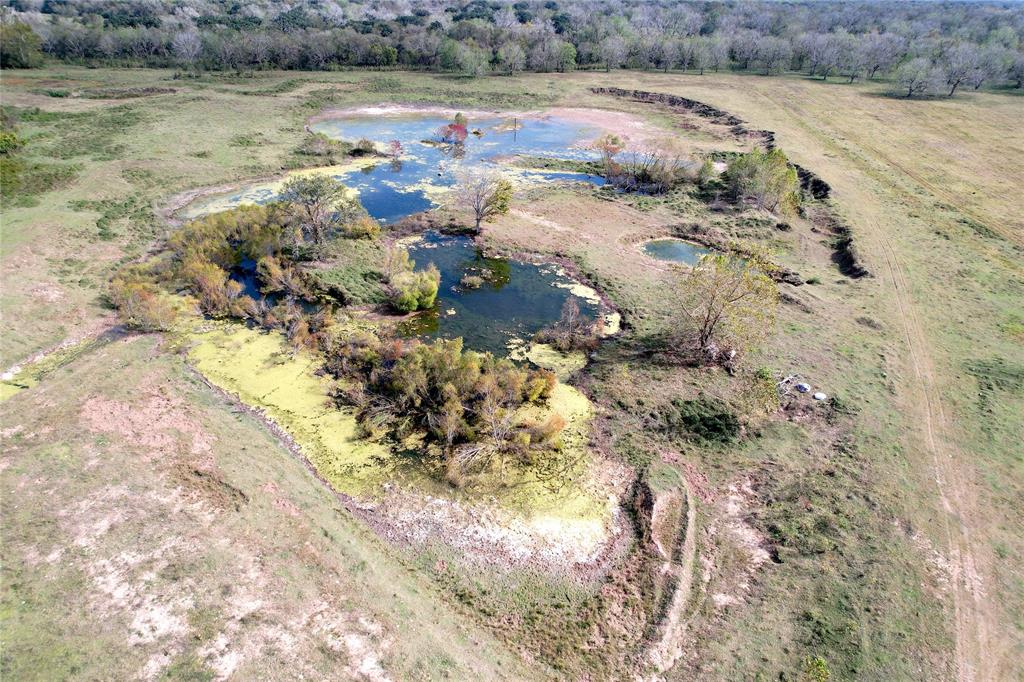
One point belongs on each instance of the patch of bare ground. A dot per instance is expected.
(151, 533)
(153, 423)
(736, 509)
(670, 639)
(488, 535)
(601, 234)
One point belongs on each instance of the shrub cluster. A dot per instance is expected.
(765, 177)
(703, 418)
(463, 403)
(572, 331)
(141, 303)
(410, 290)
(322, 149)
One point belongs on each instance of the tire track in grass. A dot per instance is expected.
(972, 615)
(974, 619)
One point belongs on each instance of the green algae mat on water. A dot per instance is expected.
(265, 373)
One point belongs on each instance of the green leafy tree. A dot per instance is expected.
(19, 46)
(380, 54)
(729, 305)
(566, 57)
(766, 177)
(319, 202)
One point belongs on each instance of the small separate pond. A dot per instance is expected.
(393, 189)
(514, 301)
(675, 250)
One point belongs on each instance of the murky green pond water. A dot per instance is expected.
(675, 250)
(515, 301)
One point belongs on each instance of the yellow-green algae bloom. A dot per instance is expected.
(265, 373)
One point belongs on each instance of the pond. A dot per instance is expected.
(675, 250)
(393, 189)
(514, 301)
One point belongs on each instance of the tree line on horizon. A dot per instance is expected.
(927, 48)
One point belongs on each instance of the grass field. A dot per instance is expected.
(151, 527)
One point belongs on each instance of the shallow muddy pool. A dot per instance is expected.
(420, 177)
(675, 250)
(501, 314)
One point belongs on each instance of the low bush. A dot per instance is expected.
(704, 418)
(10, 142)
(322, 150)
(767, 178)
(572, 331)
(363, 147)
(141, 305)
(363, 227)
(411, 290)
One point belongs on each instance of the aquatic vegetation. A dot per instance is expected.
(267, 191)
(563, 363)
(265, 373)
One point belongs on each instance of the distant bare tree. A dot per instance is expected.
(484, 194)
(718, 53)
(668, 53)
(821, 53)
(958, 64)
(773, 54)
(613, 52)
(993, 62)
(684, 21)
(881, 52)
(506, 19)
(1016, 71)
(917, 77)
(512, 58)
(743, 47)
(187, 47)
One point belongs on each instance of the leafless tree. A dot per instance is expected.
(993, 62)
(668, 53)
(187, 47)
(1016, 70)
(773, 54)
(613, 51)
(958, 64)
(917, 77)
(483, 194)
(684, 21)
(505, 19)
(881, 52)
(743, 47)
(512, 57)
